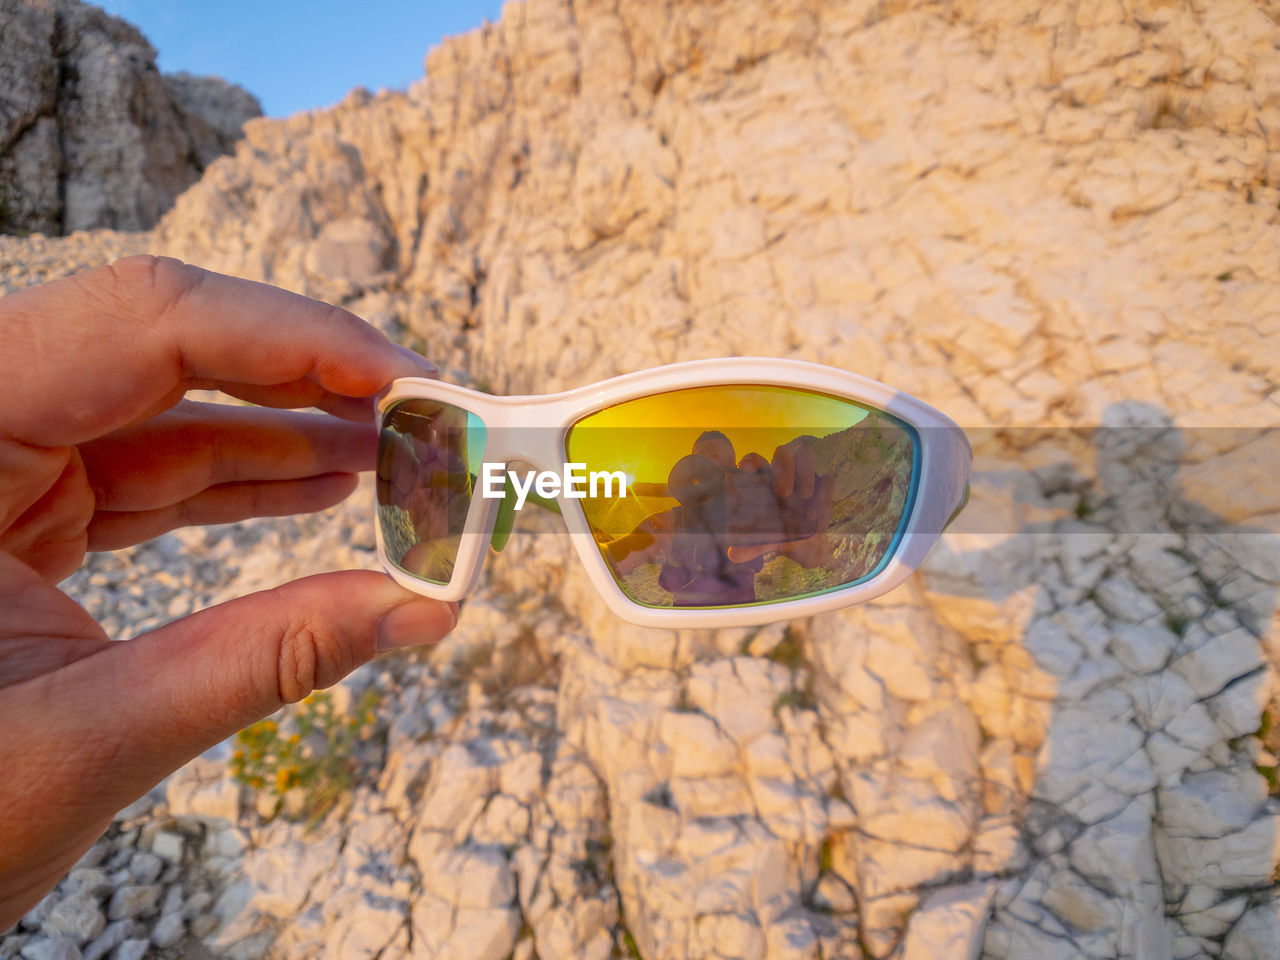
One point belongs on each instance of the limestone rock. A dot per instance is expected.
(1044, 221)
(91, 135)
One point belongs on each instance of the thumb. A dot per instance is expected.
(200, 679)
(127, 716)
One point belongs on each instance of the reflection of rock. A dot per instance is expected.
(871, 463)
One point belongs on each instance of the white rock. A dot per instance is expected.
(698, 748)
(75, 918)
(1233, 861)
(55, 948)
(133, 900)
(1143, 647)
(1255, 935)
(473, 878)
(131, 950)
(167, 846)
(1212, 804)
(948, 923)
(145, 867)
(365, 928)
(1222, 659)
(112, 936)
(202, 789)
(169, 930)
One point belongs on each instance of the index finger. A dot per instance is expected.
(87, 354)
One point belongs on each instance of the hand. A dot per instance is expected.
(803, 510)
(98, 451)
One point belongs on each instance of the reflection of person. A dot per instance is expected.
(97, 451)
(712, 545)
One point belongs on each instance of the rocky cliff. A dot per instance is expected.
(91, 134)
(1054, 743)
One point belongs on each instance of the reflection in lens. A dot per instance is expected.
(428, 457)
(741, 494)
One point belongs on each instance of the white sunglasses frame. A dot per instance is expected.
(945, 453)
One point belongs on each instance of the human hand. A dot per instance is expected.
(797, 518)
(98, 451)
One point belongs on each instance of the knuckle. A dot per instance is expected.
(159, 282)
(297, 666)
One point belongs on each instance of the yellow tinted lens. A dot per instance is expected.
(427, 452)
(742, 494)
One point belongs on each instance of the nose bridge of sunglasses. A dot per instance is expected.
(511, 500)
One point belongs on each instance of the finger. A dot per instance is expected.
(753, 463)
(302, 393)
(803, 471)
(112, 725)
(200, 679)
(226, 503)
(194, 446)
(41, 628)
(151, 325)
(784, 472)
(744, 554)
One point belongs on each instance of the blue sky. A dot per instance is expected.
(297, 55)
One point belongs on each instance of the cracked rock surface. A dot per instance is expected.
(1054, 742)
(91, 133)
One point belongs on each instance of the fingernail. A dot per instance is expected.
(416, 622)
(428, 368)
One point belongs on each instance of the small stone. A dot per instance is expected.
(196, 904)
(56, 948)
(145, 867)
(168, 846)
(126, 838)
(95, 854)
(89, 880)
(131, 950)
(132, 901)
(147, 834)
(76, 918)
(227, 843)
(114, 935)
(168, 931)
(36, 916)
(140, 807)
(172, 900)
(204, 925)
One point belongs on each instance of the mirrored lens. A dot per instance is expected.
(742, 494)
(428, 458)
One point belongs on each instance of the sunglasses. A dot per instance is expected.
(714, 493)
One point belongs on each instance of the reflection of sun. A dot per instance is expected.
(645, 437)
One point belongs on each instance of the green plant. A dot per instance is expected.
(796, 699)
(629, 944)
(311, 750)
(789, 652)
(826, 857)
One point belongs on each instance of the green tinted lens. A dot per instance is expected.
(428, 456)
(742, 494)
